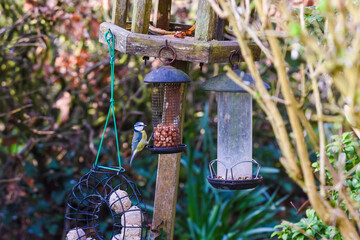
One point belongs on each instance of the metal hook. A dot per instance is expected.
(167, 47)
(232, 54)
(145, 58)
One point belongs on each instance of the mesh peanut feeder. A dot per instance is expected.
(234, 142)
(167, 90)
(104, 204)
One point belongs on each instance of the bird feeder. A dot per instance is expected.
(234, 142)
(104, 204)
(167, 90)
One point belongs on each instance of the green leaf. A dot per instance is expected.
(294, 29)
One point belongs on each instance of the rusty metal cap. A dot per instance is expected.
(167, 74)
(222, 83)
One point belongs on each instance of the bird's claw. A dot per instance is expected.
(151, 137)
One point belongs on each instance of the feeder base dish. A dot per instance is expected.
(235, 184)
(167, 150)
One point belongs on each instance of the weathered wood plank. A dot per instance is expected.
(167, 181)
(221, 50)
(141, 16)
(120, 36)
(205, 21)
(186, 49)
(162, 14)
(120, 12)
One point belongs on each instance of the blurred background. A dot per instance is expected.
(54, 97)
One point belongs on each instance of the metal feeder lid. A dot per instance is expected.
(167, 74)
(222, 83)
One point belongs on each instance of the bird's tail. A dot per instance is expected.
(132, 157)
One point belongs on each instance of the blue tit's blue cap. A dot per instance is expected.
(139, 124)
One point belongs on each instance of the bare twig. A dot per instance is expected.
(16, 110)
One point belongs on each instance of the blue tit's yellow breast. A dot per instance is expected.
(142, 142)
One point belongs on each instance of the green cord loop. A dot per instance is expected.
(110, 39)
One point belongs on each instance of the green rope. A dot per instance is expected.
(110, 39)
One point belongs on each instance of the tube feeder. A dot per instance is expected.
(234, 143)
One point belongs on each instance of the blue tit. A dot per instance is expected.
(139, 139)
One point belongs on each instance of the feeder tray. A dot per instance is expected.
(105, 198)
(167, 90)
(179, 148)
(231, 183)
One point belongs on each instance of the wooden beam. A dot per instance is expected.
(186, 49)
(120, 12)
(141, 16)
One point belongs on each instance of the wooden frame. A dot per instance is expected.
(188, 50)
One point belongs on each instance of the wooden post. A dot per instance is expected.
(141, 16)
(205, 21)
(120, 12)
(162, 14)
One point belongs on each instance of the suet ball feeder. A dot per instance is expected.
(98, 193)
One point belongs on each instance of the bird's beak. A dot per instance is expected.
(145, 125)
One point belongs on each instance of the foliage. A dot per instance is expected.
(311, 224)
(343, 156)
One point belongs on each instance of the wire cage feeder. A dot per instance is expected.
(167, 90)
(234, 161)
(104, 204)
